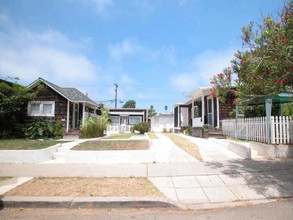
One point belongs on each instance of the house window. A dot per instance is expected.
(134, 120)
(115, 120)
(41, 108)
(196, 112)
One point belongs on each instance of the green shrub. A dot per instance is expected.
(44, 129)
(93, 127)
(58, 131)
(187, 130)
(142, 127)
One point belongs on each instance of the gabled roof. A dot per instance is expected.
(199, 92)
(71, 94)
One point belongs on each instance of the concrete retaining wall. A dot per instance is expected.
(110, 157)
(273, 151)
(27, 156)
(241, 149)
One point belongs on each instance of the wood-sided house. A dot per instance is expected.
(68, 105)
(200, 109)
(128, 116)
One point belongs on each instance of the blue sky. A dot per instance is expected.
(157, 51)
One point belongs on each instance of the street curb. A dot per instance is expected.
(222, 205)
(85, 202)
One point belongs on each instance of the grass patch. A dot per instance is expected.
(77, 186)
(152, 135)
(237, 140)
(26, 144)
(185, 145)
(122, 136)
(113, 145)
(2, 178)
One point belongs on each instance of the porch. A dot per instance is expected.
(77, 112)
(204, 108)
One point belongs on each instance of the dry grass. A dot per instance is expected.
(83, 187)
(2, 178)
(152, 135)
(185, 145)
(113, 145)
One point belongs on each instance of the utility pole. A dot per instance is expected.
(115, 94)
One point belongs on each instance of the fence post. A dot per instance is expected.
(268, 114)
(273, 132)
(236, 119)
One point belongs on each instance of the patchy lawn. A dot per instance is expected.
(122, 136)
(185, 145)
(113, 145)
(2, 178)
(77, 186)
(26, 144)
(152, 135)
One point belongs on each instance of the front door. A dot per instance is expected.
(210, 112)
(124, 120)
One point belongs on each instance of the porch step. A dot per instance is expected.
(72, 134)
(215, 133)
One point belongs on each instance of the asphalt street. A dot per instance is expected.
(280, 210)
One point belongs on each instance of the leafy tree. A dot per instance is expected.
(13, 101)
(264, 66)
(288, 109)
(166, 108)
(152, 112)
(129, 104)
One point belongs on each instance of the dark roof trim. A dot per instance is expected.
(67, 93)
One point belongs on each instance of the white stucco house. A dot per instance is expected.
(162, 122)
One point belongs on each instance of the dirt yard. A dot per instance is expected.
(83, 187)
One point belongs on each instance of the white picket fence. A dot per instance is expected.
(115, 129)
(277, 130)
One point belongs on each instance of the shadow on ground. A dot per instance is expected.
(271, 178)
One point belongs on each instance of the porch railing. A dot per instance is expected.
(197, 122)
(277, 130)
(115, 129)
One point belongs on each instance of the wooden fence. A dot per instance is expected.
(276, 130)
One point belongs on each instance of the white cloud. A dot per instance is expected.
(101, 6)
(125, 48)
(204, 67)
(125, 79)
(184, 82)
(50, 54)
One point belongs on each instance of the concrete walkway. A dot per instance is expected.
(211, 151)
(162, 150)
(222, 178)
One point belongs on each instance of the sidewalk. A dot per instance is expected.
(222, 179)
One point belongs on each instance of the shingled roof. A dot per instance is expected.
(71, 94)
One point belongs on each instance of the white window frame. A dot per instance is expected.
(42, 103)
(115, 118)
(134, 117)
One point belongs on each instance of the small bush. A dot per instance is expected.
(44, 129)
(58, 131)
(93, 127)
(142, 127)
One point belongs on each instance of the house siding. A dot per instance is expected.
(45, 93)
